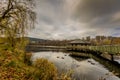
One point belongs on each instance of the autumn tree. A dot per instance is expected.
(16, 18)
(106, 42)
(116, 41)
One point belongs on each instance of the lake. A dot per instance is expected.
(83, 69)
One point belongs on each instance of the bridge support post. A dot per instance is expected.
(112, 57)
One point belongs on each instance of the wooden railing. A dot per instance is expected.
(104, 49)
(107, 52)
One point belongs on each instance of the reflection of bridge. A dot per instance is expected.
(111, 65)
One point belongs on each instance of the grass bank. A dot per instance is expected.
(17, 66)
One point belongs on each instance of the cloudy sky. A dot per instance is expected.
(70, 19)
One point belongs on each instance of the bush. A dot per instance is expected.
(45, 70)
(12, 68)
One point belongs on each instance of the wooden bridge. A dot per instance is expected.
(44, 48)
(107, 52)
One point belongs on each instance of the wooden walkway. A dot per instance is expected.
(38, 48)
(107, 52)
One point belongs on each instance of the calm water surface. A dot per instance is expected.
(86, 69)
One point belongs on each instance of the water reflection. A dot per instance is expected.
(87, 69)
(117, 58)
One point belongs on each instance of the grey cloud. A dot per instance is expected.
(116, 34)
(67, 19)
(99, 14)
(117, 28)
(51, 11)
(55, 2)
(46, 19)
(90, 9)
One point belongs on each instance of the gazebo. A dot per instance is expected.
(80, 42)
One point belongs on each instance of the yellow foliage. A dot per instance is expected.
(45, 70)
(12, 68)
(107, 42)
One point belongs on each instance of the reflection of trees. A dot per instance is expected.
(51, 42)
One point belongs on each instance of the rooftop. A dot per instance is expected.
(79, 42)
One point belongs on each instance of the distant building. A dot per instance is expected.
(88, 38)
(98, 38)
(110, 37)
